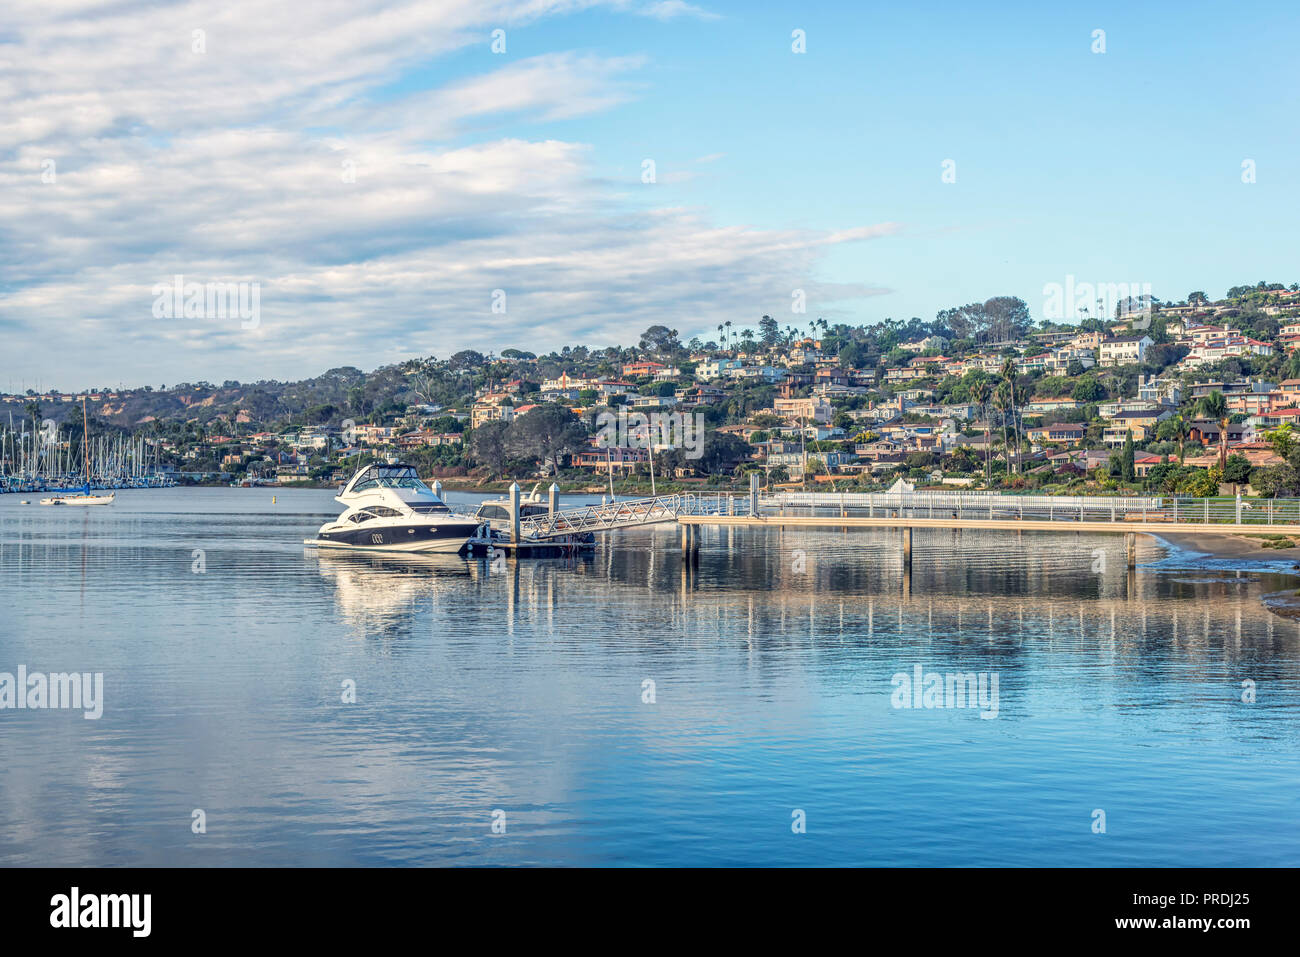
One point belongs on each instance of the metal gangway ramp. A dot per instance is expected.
(631, 513)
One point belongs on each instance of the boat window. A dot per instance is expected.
(433, 508)
(534, 510)
(360, 517)
(389, 476)
(493, 511)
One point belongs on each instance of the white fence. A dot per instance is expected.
(971, 506)
(991, 506)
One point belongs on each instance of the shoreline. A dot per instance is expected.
(1227, 547)
(1199, 551)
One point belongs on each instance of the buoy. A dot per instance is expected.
(272, 499)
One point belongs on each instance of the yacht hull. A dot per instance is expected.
(412, 548)
(397, 538)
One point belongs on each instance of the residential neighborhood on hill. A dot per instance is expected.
(1190, 398)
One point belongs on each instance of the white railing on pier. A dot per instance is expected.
(968, 500)
(629, 514)
(991, 506)
(963, 506)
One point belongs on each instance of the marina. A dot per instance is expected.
(46, 458)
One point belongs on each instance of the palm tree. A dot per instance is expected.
(728, 325)
(1002, 402)
(1009, 376)
(1215, 406)
(1180, 430)
(722, 338)
(980, 393)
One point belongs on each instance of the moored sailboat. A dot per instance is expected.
(84, 498)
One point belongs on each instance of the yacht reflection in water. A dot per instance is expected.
(375, 592)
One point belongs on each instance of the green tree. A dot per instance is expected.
(660, 339)
(1237, 470)
(1009, 376)
(487, 446)
(446, 424)
(1215, 407)
(1128, 471)
(979, 393)
(1275, 480)
(1088, 389)
(1283, 441)
(1199, 484)
(722, 452)
(1002, 402)
(546, 433)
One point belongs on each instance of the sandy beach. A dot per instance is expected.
(1229, 547)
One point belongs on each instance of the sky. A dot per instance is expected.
(387, 179)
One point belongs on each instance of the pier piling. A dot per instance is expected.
(514, 512)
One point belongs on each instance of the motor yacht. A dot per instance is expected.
(387, 508)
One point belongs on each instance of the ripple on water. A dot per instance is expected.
(624, 709)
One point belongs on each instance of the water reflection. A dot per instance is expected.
(521, 688)
(384, 594)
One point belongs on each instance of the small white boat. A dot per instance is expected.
(84, 499)
(497, 511)
(496, 517)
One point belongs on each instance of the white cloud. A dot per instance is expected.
(669, 9)
(229, 166)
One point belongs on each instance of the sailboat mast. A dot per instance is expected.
(85, 440)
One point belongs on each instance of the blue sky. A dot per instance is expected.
(521, 171)
(1115, 166)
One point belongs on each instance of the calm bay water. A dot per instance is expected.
(522, 691)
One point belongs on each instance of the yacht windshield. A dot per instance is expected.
(389, 476)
